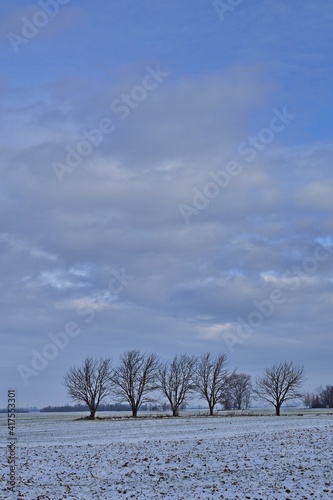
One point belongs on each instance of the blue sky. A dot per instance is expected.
(123, 241)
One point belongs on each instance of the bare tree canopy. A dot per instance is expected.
(240, 388)
(211, 378)
(89, 383)
(135, 378)
(176, 380)
(280, 383)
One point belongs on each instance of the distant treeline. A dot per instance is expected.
(17, 410)
(68, 408)
(322, 398)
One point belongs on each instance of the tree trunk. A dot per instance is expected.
(277, 410)
(175, 412)
(134, 412)
(211, 410)
(92, 414)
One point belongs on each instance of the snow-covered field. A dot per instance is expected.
(58, 457)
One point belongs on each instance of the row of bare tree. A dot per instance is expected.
(321, 398)
(139, 376)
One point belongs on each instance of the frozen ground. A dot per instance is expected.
(187, 458)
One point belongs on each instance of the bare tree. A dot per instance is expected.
(135, 378)
(176, 380)
(212, 378)
(280, 383)
(326, 397)
(240, 388)
(89, 383)
(309, 400)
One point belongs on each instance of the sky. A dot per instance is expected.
(166, 185)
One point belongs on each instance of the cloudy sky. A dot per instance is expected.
(166, 185)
